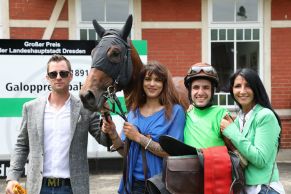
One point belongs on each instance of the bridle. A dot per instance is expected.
(120, 73)
(110, 95)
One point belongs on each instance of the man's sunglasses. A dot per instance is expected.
(54, 74)
(209, 70)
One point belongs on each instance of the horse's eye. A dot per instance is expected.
(114, 55)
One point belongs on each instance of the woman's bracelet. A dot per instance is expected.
(146, 147)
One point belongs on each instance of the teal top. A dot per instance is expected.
(258, 143)
(202, 128)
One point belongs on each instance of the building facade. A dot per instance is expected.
(229, 34)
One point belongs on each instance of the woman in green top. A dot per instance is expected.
(255, 132)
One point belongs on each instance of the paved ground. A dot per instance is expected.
(107, 183)
(285, 176)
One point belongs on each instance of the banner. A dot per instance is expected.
(23, 70)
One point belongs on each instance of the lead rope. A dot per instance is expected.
(144, 161)
(111, 96)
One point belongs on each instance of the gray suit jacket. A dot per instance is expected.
(29, 145)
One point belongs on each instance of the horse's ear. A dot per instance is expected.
(99, 29)
(126, 28)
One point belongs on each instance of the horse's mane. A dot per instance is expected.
(137, 66)
(182, 92)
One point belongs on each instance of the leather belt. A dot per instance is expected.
(56, 182)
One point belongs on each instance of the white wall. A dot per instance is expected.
(1, 22)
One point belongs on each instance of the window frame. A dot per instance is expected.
(236, 25)
(87, 25)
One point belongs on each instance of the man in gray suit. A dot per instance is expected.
(53, 138)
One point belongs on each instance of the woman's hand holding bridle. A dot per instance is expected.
(131, 132)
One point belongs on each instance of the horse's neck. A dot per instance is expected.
(182, 91)
(129, 90)
(137, 66)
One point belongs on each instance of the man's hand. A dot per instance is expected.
(108, 125)
(13, 187)
(227, 120)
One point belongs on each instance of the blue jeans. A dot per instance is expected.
(265, 190)
(56, 190)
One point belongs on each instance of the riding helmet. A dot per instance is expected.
(201, 70)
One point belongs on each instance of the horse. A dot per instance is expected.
(115, 67)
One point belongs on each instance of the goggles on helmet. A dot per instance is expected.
(201, 70)
(208, 70)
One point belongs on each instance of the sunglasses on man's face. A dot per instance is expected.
(54, 74)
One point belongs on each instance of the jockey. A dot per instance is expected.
(202, 128)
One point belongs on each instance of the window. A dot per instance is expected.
(234, 30)
(232, 49)
(104, 10)
(109, 13)
(235, 10)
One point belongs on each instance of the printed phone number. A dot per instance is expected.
(80, 72)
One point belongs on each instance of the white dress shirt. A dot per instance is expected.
(57, 133)
(243, 118)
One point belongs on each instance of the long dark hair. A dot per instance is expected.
(260, 94)
(169, 95)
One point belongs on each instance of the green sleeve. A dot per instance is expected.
(261, 141)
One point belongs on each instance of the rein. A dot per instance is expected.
(110, 95)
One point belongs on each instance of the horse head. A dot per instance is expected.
(112, 65)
